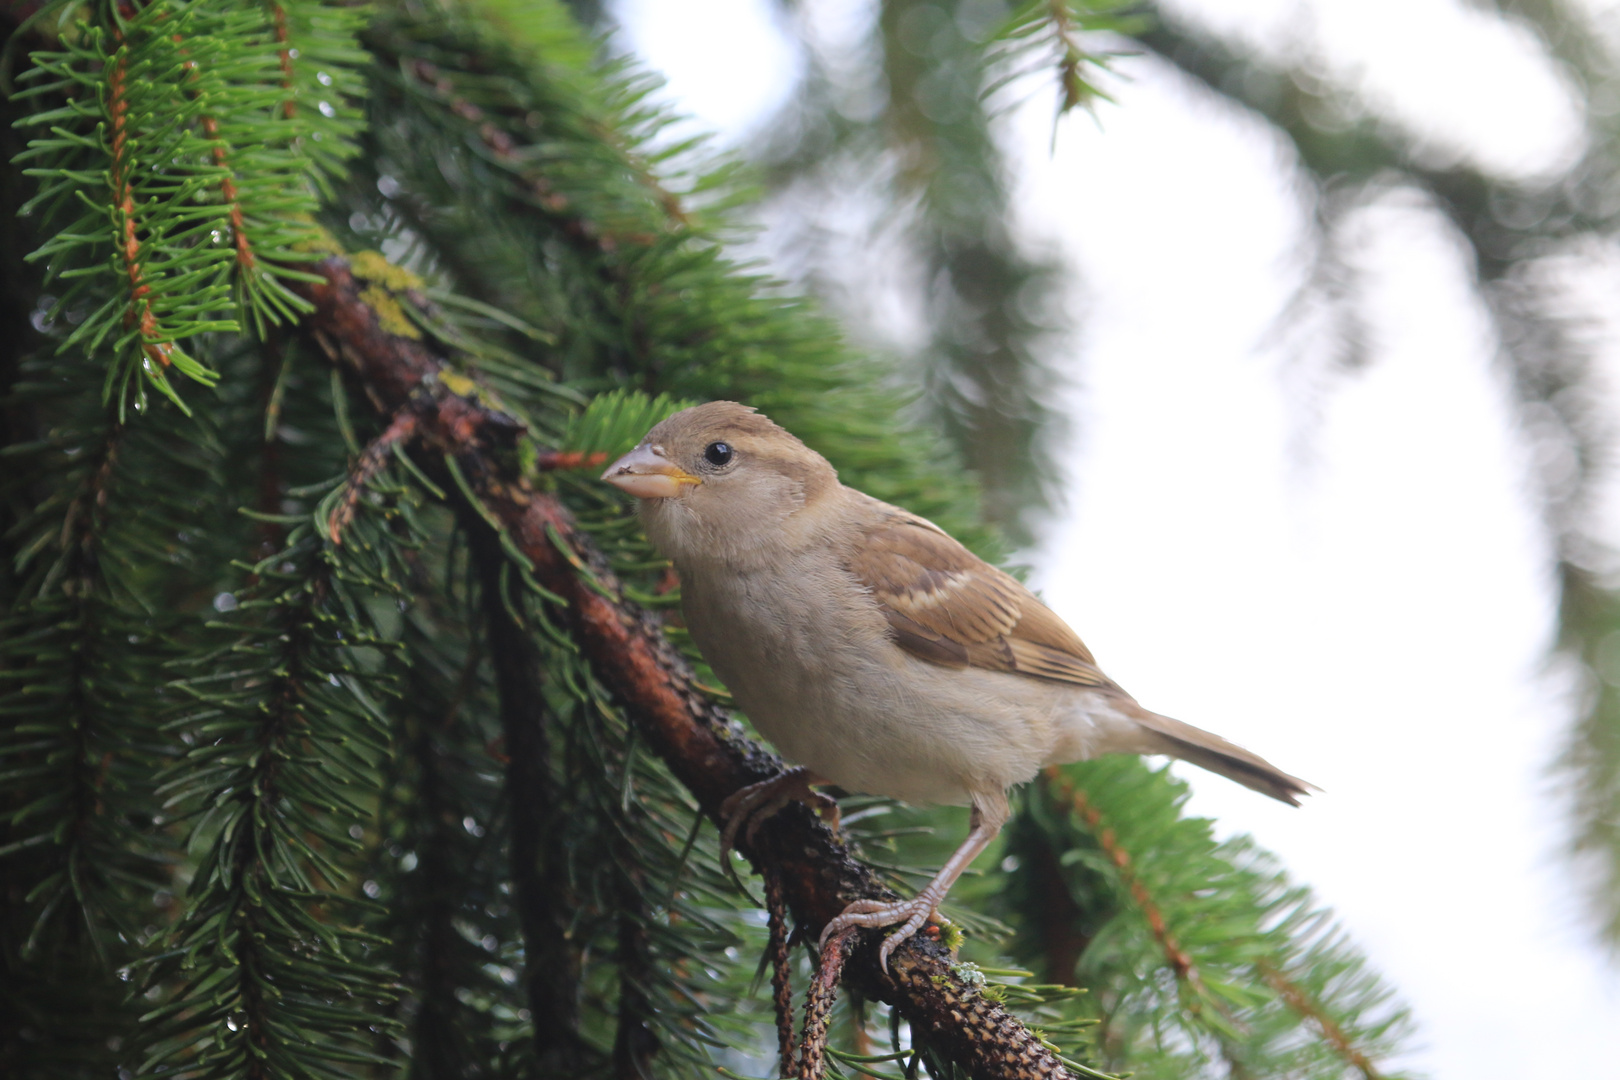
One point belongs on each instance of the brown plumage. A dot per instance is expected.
(947, 605)
(874, 650)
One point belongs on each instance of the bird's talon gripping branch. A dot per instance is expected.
(749, 807)
(910, 915)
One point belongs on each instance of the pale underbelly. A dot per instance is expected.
(911, 730)
(867, 716)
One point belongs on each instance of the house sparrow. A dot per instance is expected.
(873, 650)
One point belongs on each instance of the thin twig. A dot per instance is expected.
(278, 16)
(780, 959)
(372, 460)
(139, 313)
(552, 460)
(818, 1002)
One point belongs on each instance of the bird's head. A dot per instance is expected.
(722, 482)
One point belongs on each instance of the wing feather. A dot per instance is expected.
(947, 606)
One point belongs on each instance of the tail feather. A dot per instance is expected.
(1217, 755)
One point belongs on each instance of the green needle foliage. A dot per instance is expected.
(1204, 955)
(269, 969)
(174, 162)
(301, 775)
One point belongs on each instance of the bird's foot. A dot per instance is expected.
(908, 914)
(748, 807)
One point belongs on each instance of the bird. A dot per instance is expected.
(873, 650)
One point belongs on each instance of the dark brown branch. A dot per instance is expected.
(553, 962)
(649, 679)
(371, 462)
(780, 959)
(818, 1002)
(1057, 918)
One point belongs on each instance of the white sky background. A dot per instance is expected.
(1343, 570)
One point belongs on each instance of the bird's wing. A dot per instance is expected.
(947, 606)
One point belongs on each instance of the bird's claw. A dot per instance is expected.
(747, 808)
(909, 914)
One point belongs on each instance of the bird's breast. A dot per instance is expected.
(806, 653)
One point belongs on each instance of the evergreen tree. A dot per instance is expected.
(345, 723)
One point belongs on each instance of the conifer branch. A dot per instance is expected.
(1050, 30)
(278, 19)
(83, 641)
(634, 1044)
(577, 227)
(59, 643)
(1174, 954)
(270, 976)
(246, 261)
(1302, 1003)
(1252, 952)
(447, 886)
(139, 311)
(440, 946)
(631, 656)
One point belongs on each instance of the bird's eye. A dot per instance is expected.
(718, 453)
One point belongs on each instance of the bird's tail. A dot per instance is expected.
(1217, 755)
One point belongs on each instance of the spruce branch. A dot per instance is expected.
(269, 976)
(123, 151)
(634, 1043)
(1306, 1006)
(320, 83)
(93, 507)
(139, 312)
(630, 655)
(372, 461)
(1174, 954)
(1049, 34)
(446, 887)
(1250, 957)
(278, 19)
(183, 197)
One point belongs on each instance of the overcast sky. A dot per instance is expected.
(1342, 570)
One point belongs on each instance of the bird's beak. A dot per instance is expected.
(647, 474)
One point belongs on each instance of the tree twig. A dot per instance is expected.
(818, 1002)
(371, 462)
(780, 960)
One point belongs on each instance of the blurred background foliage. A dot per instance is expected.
(471, 869)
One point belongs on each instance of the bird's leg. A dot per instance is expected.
(750, 806)
(989, 814)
